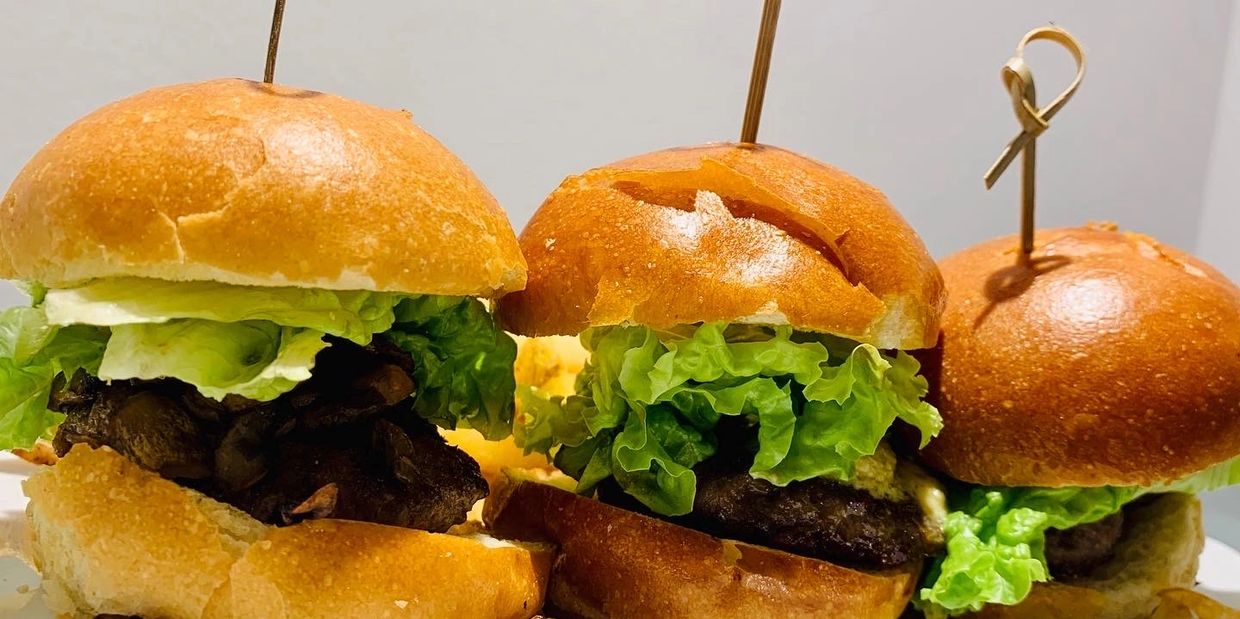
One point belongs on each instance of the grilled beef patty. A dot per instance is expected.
(344, 444)
(816, 518)
(1075, 552)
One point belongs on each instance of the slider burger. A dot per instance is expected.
(1086, 394)
(746, 310)
(251, 307)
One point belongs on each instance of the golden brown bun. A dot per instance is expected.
(339, 568)
(619, 564)
(1158, 552)
(1189, 604)
(726, 232)
(1110, 359)
(111, 537)
(246, 183)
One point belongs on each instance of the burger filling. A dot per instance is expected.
(1001, 541)
(251, 405)
(821, 518)
(761, 434)
(1075, 552)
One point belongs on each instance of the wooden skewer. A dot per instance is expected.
(761, 68)
(1018, 79)
(273, 43)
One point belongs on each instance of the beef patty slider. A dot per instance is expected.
(252, 304)
(1086, 394)
(745, 310)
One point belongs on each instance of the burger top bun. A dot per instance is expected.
(257, 184)
(726, 232)
(1106, 359)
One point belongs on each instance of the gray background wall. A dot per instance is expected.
(904, 94)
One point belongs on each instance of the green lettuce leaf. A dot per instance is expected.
(255, 359)
(249, 341)
(1218, 476)
(462, 362)
(353, 315)
(32, 354)
(547, 422)
(649, 401)
(24, 332)
(996, 537)
(847, 412)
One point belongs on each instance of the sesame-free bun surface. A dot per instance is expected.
(725, 232)
(1108, 359)
(112, 538)
(617, 564)
(1159, 552)
(248, 183)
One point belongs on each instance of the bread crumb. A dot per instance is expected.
(402, 604)
(43, 454)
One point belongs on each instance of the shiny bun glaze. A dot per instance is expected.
(255, 184)
(615, 563)
(725, 232)
(1108, 359)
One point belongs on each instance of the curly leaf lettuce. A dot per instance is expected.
(648, 404)
(354, 315)
(32, 354)
(996, 537)
(462, 362)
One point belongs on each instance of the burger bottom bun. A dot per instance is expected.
(616, 563)
(112, 538)
(1159, 551)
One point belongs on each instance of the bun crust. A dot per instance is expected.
(1158, 552)
(340, 568)
(248, 183)
(619, 564)
(1110, 359)
(728, 232)
(113, 538)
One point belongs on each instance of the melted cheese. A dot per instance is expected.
(886, 477)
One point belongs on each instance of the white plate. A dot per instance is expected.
(1220, 564)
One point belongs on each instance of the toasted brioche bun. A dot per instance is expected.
(725, 232)
(1109, 359)
(1159, 551)
(113, 538)
(618, 564)
(248, 183)
(1190, 604)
